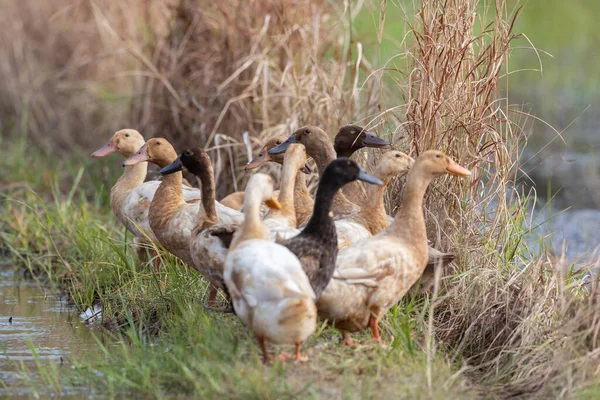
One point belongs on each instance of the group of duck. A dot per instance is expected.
(282, 258)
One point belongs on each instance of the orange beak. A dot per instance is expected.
(273, 204)
(140, 156)
(259, 160)
(108, 148)
(457, 170)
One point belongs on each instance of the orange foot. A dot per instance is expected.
(266, 356)
(283, 356)
(373, 323)
(348, 341)
(299, 357)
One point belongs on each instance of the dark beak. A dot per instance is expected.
(372, 140)
(280, 149)
(175, 166)
(366, 177)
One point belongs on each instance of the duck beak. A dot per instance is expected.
(140, 156)
(457, 170)
(366, 177)
(108, 148)
(259, 160)
(372, 140)
(283, 146)
(306, 169)
(175, 166)
(273, 204)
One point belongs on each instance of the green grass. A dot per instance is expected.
(161, 342)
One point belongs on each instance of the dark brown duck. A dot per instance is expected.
(316, 246)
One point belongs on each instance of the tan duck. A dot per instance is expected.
(372, 217)
(375, 273)
(270, 292)
(172, 219)
(130, 197)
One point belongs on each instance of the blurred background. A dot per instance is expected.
(74, 72)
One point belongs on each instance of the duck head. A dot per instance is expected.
(264, 156)
(125, 142)
(351, 138)
(435, 163)
(312, 137)
(196, 161)
(343, 170)
(393, 163)
(156, 150)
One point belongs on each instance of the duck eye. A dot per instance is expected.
(307, 131)
(158, 143)
(397, 155)
(438, 156)
(127, 135)
(278, 142)
(187, 153)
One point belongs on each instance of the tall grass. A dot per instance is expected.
(512, 322)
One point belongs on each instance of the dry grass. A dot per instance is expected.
(517, 325)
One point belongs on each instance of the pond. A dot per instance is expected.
(38, 330)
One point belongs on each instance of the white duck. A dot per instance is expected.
(270, 292)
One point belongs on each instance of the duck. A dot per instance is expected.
(270, 292)
(130, 197)
(375, 273)
(348, 140)
(210, 239)
(372, 217)
(317, 246)
(320, 148)
(171, 218)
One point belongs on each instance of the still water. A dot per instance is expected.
(35, 318)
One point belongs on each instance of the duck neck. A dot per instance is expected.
(167, 200)
(286, 194)
(372, 214)
(409, 221)
(321, 222)
(303, 203)
(132, 177)
(207, 216)
(253, 227)
(323, 157)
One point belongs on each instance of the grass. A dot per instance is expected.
(506, 321)
(160, 341)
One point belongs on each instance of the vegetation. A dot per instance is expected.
(503, 321)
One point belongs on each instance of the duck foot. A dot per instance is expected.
(374, 325)
(299, 357)
(267, 358)
(347, 341)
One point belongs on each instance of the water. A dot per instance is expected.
(44, 321)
